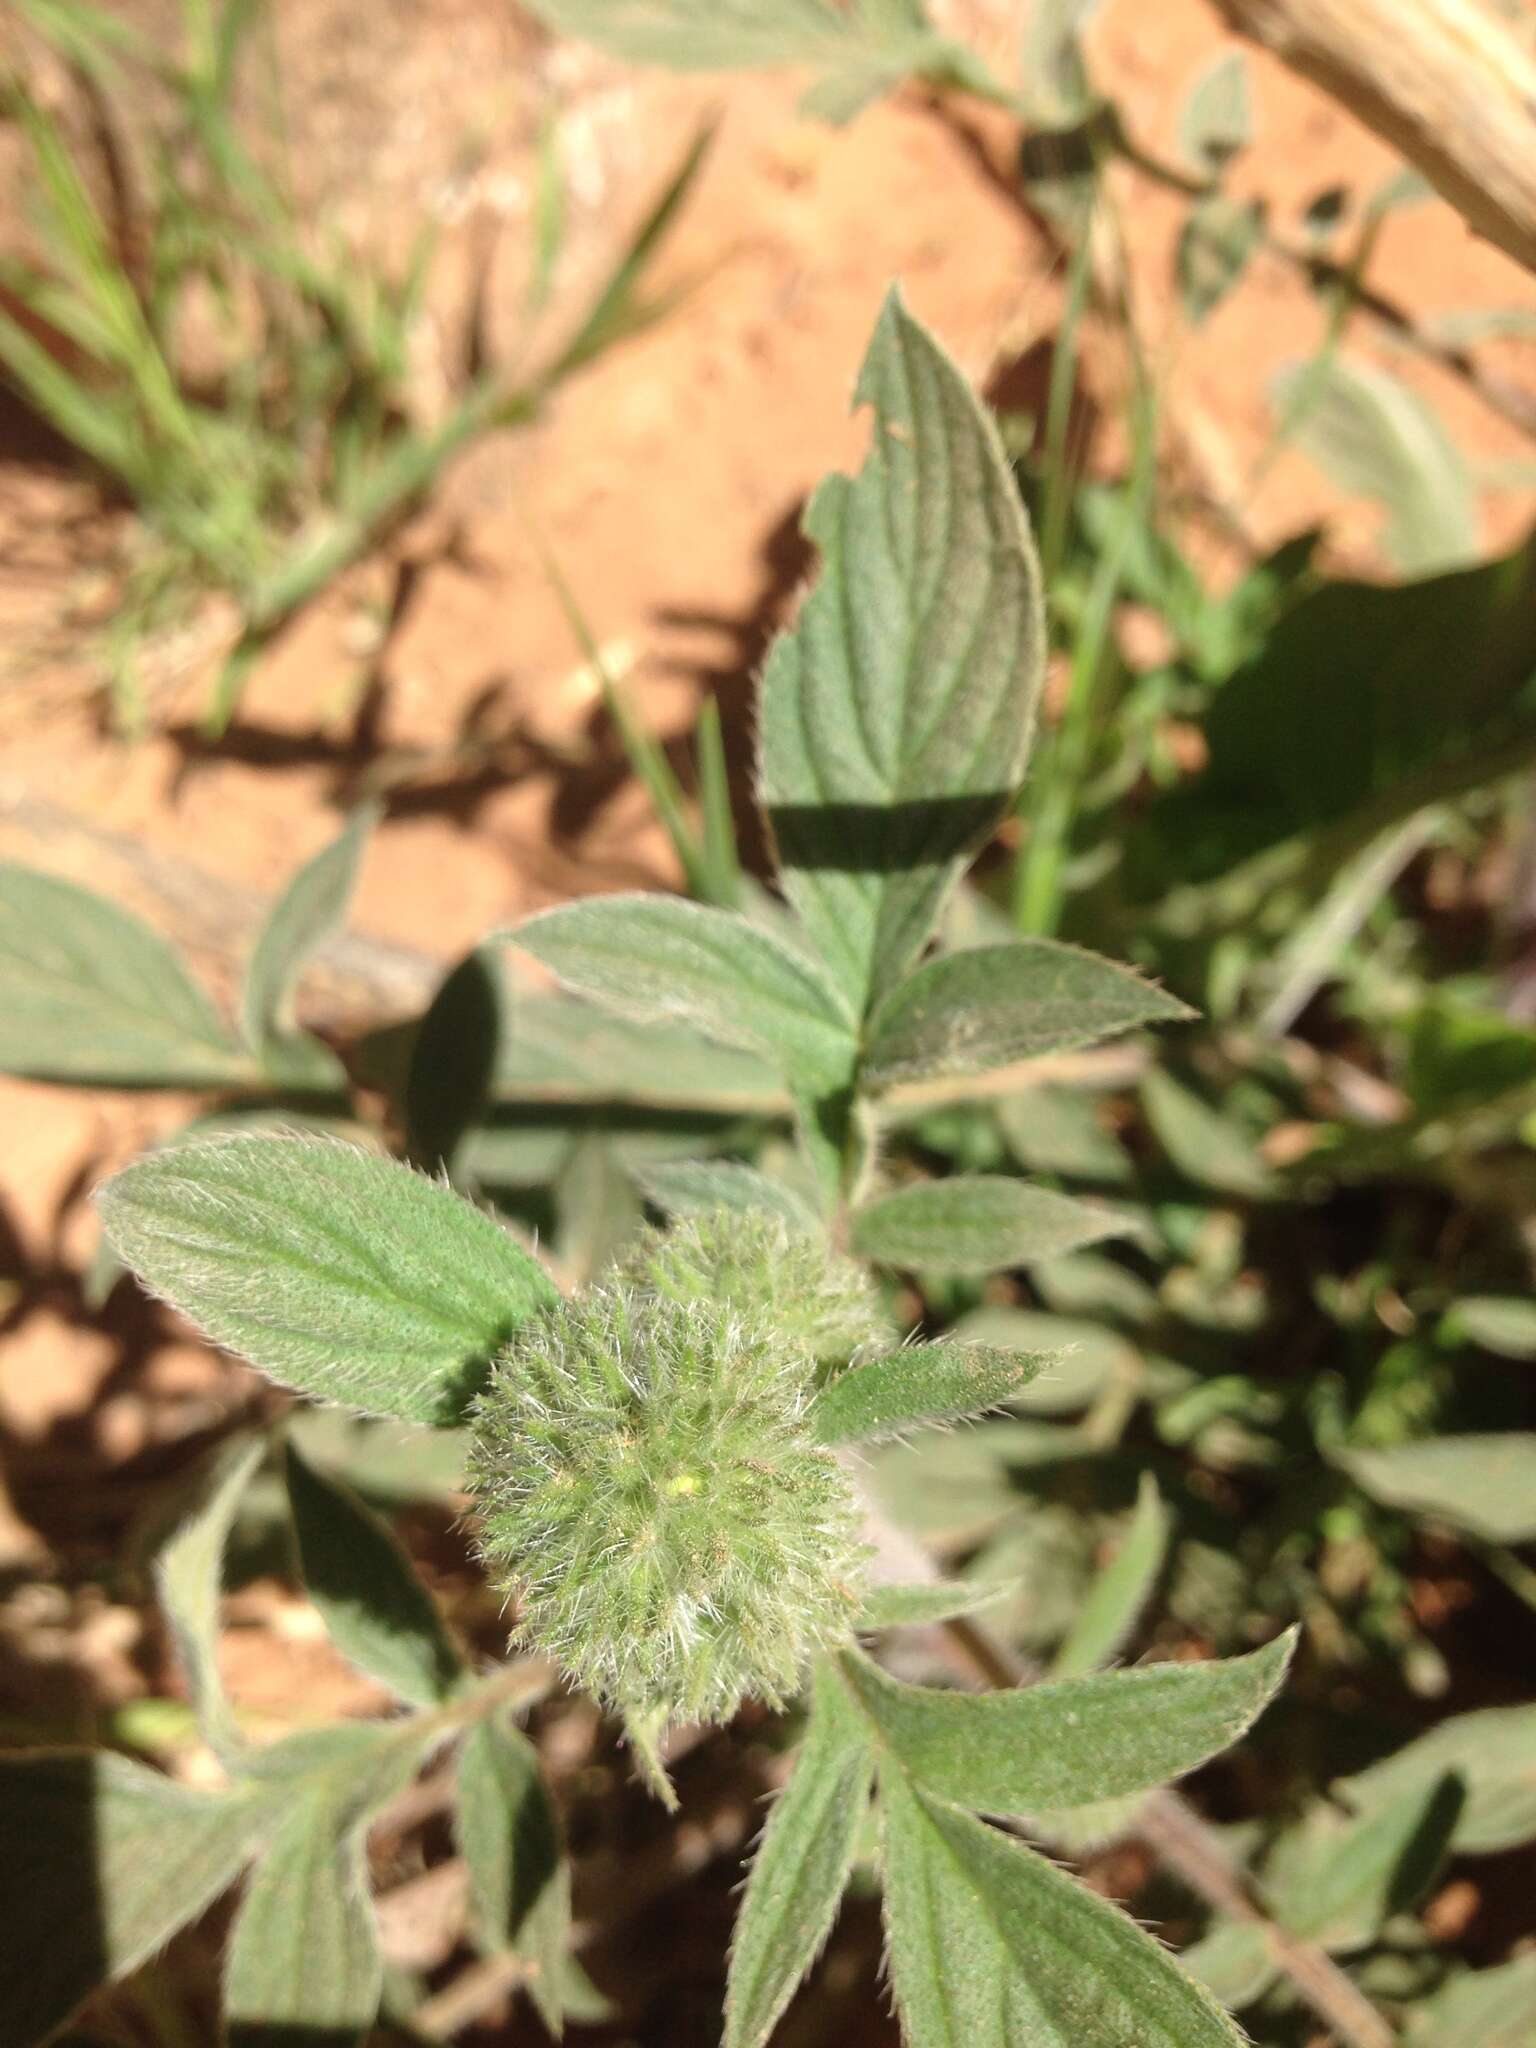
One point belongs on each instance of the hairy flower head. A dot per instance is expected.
(649, 1490)
(819, 1303)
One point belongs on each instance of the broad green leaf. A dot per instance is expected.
(1207, 1147)
(977, 1223)
(1484, 1484)
(967, 1013)
(1216, 119)
(1087, 1355)
(384, 1464)
(1121, 1590)
(866, 47)
(104, 1860)
(189, 1578)
(920, 1384)
(562, 1050)
(338, 1273)
(1071, 1741)
(659, 960)
(800, 1868)
(1337, 1880)
(1058, 1130)
(509, 1838)
(453, 1061)
(920, 1606)
(1480, 2009)
(378, 1612)
(692, 1187)
(93, 995)
(1492, 1752)
(1216, 244)
(1234, 1962)
(896, 713)
(307, 913)
(991, 1946)
(1505, 1324)
(1375, 436)
(304, 1962)
(1364, 664)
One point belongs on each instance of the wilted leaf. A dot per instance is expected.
(1485, 1484)
(966, 1013)
(103, 1861)
(1121, 1590)
(378, 1613)
(1376, 437)
(336, 1272)
(896, 714)
(991, 1946)
(920, 1384)
(977, 1223)
(800, 1868)
(93, 995)
(1071, 1741)
(510, 1840)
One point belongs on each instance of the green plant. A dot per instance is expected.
(656, 1462)
(265, 458)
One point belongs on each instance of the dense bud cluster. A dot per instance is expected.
(819, 1302)
(650, 1493)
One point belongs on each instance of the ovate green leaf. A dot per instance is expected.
(378, 1612)
(1121, 1590)
(966, 1013)
(304, 1962)
(921, 1605)
(1216, 120)
(307, 913)
(660, 960)
(103, 1861)
(1505, 1324)
(1216, 244)
(977, 1223)
(1337, 1880)
(896, 714)
(189, 1578)
(1492, 1752)
(1374, 435)
(692, 1187)
(1071, 1741)
(1207, 1147)
(1485, 1484)
(800, 1868)
(336, 1272)
(94, 995)
(920, 1384)
(1480, 2009)
(991, 1946)
(510, 1839)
